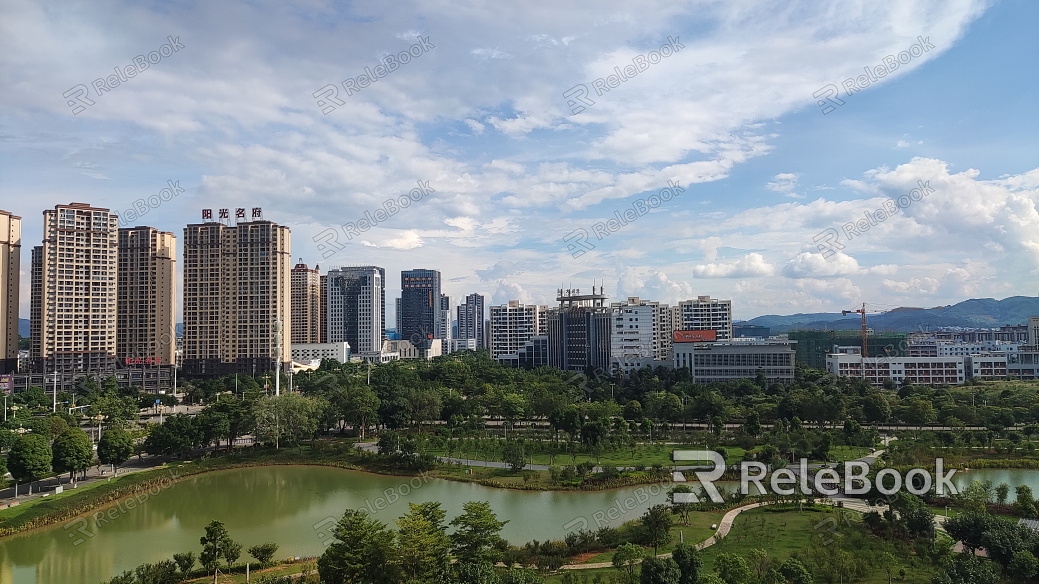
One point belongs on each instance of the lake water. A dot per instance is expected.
(293, 506)
(1012, 477)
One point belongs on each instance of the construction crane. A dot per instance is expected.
(862, 311)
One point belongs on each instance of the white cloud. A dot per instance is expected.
(406, 240)
(752, 264)
(809, 265)
(785, 183)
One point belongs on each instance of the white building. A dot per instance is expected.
(513, 324)
(471, 320)
(987, 365)
(726, 361)
(965, 349)
(307, 352)
(915, 370)
(705, 313)
(463, 345)
(640, 335)
(405, 350)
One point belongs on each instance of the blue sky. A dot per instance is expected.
(481, 116)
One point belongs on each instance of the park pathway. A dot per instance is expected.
(723, 529)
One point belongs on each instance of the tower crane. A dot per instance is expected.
(862, 311)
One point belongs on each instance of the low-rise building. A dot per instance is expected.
(457, 345)
(307, 352)
(406, 350)
(987, 365)
(724, 361)
(915, 370)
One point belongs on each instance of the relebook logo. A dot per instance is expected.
(827, 481)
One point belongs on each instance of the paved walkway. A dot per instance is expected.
(723, 529)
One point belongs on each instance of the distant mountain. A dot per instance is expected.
(23, 327)
(976, 313)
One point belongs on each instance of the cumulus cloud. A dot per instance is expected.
(752, 264)
(785, 183)
(812, 265)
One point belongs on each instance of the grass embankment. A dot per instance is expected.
(784, 532)
(97, 494)
(644, 454)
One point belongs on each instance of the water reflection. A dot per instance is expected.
(282, 504)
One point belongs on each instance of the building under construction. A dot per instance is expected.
(813, 346)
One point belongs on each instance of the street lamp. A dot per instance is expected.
(98, 417)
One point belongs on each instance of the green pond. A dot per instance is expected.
(293, 506)
(1012, 477)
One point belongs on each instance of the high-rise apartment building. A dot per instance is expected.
(146, 297)
(356, 297)
(420, 313)
(10, 264)
(323, 312)
(579, 331)
(306, 304)
(396, 317)
(470, 320)
(705, 313)
(445, 327)
(512, 325)
(640, 335)
(74, 277)
(237, 290)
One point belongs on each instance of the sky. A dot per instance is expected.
(782, 147)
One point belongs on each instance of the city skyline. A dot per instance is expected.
(511, 170)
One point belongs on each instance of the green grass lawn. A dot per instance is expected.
(645, 454)
(843, 453)
(782, 533)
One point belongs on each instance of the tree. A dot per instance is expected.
(626, 558)
(232, 550)
(29, 459)
(214, 543)
(423, 546)
(733, 569)
(476, 535)
(177, 436)
(659, 571)
(690, 562)
(164, 572)
(795, 572)
(1002, 493)
(682, 509)
(1023, 566)
(115, 447)
(263, 553)
(969, 528)
(967, 569)
(512, 454)
(72, 452)
(185, 562)
(752, 423)
(657, 526)
(363, 551)
(291, 417)
(362, 406)
(1025, 504)
(888, 562)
